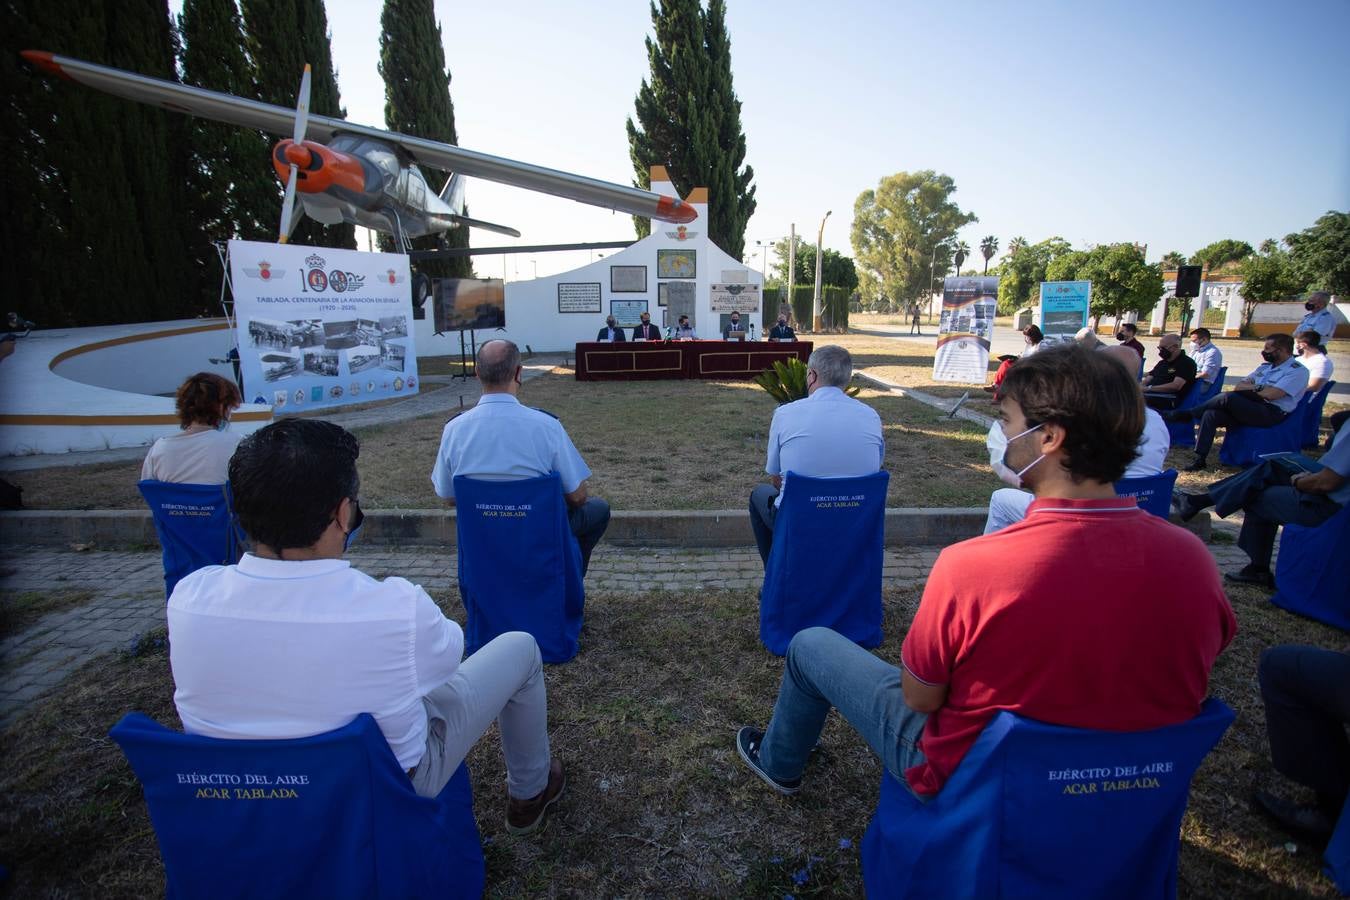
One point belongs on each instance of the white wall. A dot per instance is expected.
(156, 366)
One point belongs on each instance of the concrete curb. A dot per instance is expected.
(436, 527)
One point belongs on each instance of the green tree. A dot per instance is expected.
(417, 102)
(283, 35)
(836, 269)
(1172, 260)
(1320, 254)
(94, 189)
(1220, 252)
(988, 247)
(1023, 269)
(1121, 280)
(689, 118)
(1267, 277)
(233, 191)
(899, 228)
(962, 254)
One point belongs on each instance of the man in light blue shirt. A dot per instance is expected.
(1260, 400)
(826, 435)
(1270, 497)
(1208, 358)
(502, 440)
(1318, 318)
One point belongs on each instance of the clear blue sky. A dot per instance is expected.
(1171, 124)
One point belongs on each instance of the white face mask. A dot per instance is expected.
(1028, 467)
(1193, 348)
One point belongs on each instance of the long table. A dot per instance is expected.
(661, 360)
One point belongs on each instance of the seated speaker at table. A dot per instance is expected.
(782, 331)
(685, 331)
(734, 326)
(611, 332)
(645, 330)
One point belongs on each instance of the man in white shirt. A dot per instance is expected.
(1271, 392)
(1009, 505)
(293, 641)
(826, 435)
(1318, 318)
(502, 440)
(1313, 357)
(1208, 357)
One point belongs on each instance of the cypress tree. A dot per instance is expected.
(417, 102)
(234, 192)
(689, 119)
(99, 182)
(283, 35)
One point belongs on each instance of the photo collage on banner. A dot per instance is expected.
(967, 325)
(321, 327)
(1064, 309)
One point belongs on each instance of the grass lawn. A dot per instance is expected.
(658, 802)
(650, 445)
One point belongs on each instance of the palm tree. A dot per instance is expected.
(962, 251)
(1017, 245)
(988, 247)
(1173, 259)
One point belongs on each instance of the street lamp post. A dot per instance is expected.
(764, 247)
(815, 299)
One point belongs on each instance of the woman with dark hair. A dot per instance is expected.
(200, 452)
(1033, 337)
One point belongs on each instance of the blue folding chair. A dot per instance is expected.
(1312, 421)
(1312, 571)
(195, 525)
(1153, 492)
(1337, 855)
(1044, 811)
(519, 565)
(1183, 433)
(1244, 445)
(330, 816)
(825, 565)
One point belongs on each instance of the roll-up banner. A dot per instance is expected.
(967, 325)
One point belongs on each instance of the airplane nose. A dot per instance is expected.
(298, 155)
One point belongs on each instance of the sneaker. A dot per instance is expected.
(747, 745)
(1197, 466)
(1251, 574)
(525, 816)
(1305, 821)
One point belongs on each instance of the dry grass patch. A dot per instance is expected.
(19, 609)
(659, 804)
(651, 445)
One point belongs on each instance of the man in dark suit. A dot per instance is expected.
(782, 331)
(646, 331)
(733, 326)
(610, 332)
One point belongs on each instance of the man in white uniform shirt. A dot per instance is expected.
(1009, 505)
(1318, 318)
(826, 435)
(294, 642)
(1208, 358)
(1271, 392)
(502, 440)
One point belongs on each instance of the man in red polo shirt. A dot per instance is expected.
(1035, 618)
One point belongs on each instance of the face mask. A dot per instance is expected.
(356, 529)
(1268, 356)
(1164, 353)
(1309, 307)
(1193, 347)
(610, 323)
(223, 423)
(1120, 336)
(1027, 468)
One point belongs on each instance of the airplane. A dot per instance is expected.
(344, 172)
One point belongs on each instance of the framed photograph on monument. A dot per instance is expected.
(676, 263)
(579, 297)
(628, 279)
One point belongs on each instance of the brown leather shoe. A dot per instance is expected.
(525, 816)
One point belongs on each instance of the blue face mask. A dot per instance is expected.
(358, 520)
(223, 424)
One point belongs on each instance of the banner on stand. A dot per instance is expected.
(1064, 309)
(967, 325)
(320, 327)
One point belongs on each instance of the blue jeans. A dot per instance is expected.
(826, 669)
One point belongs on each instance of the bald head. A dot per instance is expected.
(1125, 356)
(497, 364)
(1087, 337)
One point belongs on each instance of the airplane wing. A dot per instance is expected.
(278, 120)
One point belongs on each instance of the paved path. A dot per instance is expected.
(128, 595)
